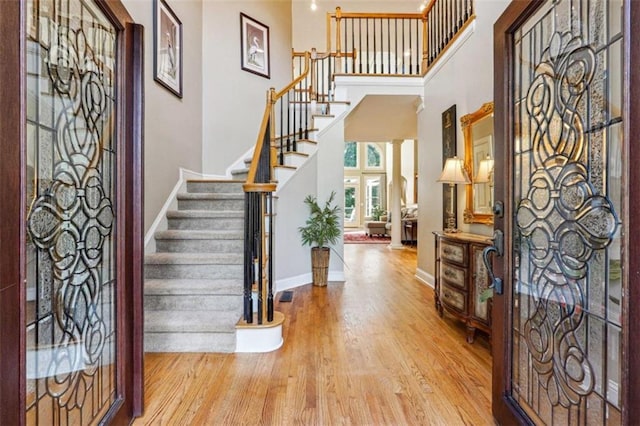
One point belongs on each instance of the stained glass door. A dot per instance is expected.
(77, 256)
(561, 354)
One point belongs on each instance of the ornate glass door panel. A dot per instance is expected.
(71, 301)
(566, 225)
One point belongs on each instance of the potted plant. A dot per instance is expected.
(322, 228)
(376, 213)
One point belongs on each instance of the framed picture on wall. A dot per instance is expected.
(167, 48)
(254, 46)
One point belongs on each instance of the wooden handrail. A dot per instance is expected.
(272, 98)
(253, 168)
(297, 80)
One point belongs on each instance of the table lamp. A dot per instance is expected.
(453, 173)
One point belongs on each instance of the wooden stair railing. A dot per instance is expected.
(279, 129)
(400, 44)
(383, 44)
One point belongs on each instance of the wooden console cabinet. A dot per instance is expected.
(461, 277)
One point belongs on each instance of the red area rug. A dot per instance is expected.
(360, 238)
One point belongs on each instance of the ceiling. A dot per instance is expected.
(383, 118)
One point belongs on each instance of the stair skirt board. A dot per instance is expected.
(253, 338)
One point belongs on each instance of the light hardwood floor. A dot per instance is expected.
(369, 351)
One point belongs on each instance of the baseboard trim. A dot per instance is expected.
(426, 278)
(300, 280)
(160, 222)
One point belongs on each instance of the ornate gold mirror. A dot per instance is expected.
(478, 147)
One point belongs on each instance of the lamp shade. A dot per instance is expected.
(454, 172)
(485, 171)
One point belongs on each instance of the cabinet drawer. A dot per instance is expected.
(453, 252)
(454, 275)
(453, 298)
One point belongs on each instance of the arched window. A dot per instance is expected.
(374, 155)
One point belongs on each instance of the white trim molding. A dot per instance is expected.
(160, 222)
(426, 278)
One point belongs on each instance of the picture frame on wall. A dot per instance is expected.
(254, 46)
(167, 48)
(449, 150)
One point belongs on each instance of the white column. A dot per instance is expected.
(396, 194)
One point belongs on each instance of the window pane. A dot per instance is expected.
(351, 154)
(374, 158)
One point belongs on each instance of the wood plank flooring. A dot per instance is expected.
(369, 351)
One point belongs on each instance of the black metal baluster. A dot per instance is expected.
(375, 52)
(368, 61)
(353, 40)
(395, 45)
(248, 259)
(360, 43)
(381, 46)
(270, 258)
(292, 128)
(410, 52)
(321, 82)
(403, 69)
(299, 130)
(388, 46)
(287, 130)
(258, 245)
(307, 98)
(280, 134)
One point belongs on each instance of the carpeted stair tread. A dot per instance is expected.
(193, 259)
(211, 196)
(190, 321)
(193, 287)
(181, 234)
(215, 181)
(205, 214)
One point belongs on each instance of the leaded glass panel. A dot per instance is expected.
(567, 200)
(71, 160)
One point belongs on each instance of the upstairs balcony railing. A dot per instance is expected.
(382, 44)
(396, 43)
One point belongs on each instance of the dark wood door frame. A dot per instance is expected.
(13, 221)
(12, 232)
(505, 409)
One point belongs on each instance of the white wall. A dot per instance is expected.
(465, 80)
(331, 153)
(310, 27)
(173, 126)
(234, 100)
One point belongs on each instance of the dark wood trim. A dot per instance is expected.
(504, 410)
(130, 225)
(631, 230)
(135, 211)
(12, 200)
(13, 220)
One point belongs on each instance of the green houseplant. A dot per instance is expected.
(322, 228)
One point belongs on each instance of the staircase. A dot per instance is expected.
(194, 281)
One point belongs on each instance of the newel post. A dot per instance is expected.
(338, 47)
